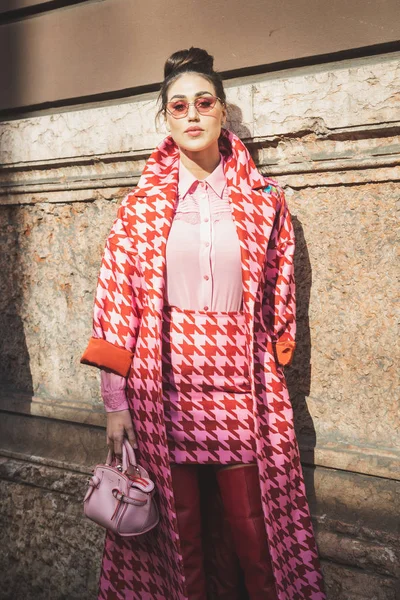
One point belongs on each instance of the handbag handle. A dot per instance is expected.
(128, 456)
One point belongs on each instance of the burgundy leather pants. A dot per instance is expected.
(221, 525)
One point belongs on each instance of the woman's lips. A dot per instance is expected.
(194, 132)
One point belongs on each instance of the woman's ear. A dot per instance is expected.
(224, 116)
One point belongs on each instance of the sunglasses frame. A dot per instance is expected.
(188, 104)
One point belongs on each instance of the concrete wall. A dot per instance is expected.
(330, 135)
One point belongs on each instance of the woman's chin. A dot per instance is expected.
(196, 144)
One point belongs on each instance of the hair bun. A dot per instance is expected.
(194, 59)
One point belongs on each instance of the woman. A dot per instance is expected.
(194, 318)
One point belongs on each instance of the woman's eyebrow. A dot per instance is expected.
(196, 95)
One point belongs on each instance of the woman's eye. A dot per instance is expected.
(204, 102)
(179, 107)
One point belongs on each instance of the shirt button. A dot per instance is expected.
(206, 220)
(206, 308)
(207, 244)
(206, 277)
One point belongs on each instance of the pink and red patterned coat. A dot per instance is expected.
(127, 340)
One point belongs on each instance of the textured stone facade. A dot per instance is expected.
(330, 135)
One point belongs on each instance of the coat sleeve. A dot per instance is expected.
(117, 312)
(279, 305)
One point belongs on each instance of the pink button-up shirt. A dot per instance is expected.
(203, 267)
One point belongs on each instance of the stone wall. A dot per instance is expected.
(330, 135)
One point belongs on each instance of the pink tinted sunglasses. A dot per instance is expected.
(179, 108)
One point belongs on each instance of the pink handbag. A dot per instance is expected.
(120, 497)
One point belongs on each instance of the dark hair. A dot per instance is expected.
(193, 60)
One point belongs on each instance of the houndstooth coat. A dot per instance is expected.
(127, 339)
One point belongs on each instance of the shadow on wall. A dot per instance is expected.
(298, 375)
(11, 57)
(15, 373)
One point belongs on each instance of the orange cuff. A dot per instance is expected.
(284, 352)
(100, 353)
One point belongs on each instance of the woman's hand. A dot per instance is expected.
(119, 423)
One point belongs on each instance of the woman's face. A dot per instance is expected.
(195, 132)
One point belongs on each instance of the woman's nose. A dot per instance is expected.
(193, 115)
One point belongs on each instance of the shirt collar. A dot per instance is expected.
(216, 180)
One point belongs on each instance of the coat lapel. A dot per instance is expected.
(253, 211)
(157, 194)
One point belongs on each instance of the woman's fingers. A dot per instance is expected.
(130, 432)
(119, 423)
(118, 447)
